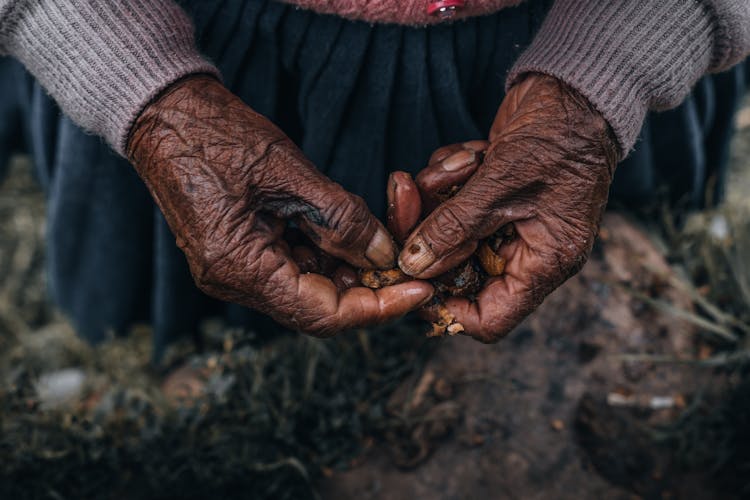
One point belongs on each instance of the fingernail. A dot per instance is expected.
(427, 299)
(380, 251)
(459, 160)
(416, 257)
(476, 146)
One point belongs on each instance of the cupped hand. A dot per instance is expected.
(544, 179)
(229, 183)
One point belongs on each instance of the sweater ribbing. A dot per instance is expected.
(631, 56)
(102, 61)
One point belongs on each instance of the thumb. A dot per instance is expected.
(449, 235)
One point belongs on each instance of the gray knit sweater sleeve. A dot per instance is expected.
(101, 60)
(631, 56)
(104, 60)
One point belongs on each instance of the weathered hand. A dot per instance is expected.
(228, 182)
(547, 173)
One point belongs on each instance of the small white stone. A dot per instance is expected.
(661, 402)
(719, 228)
(58, 388)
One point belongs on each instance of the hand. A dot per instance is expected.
(547, 174)
(228, 182)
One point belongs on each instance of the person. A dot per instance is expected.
(293, 113)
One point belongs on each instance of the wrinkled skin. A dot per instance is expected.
(547, 173)
(410, 200)
(228, 183)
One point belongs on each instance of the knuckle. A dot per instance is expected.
(266, 160)
(450, 224)
(348, 217)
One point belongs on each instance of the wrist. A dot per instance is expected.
(102, 62)
(162, 113)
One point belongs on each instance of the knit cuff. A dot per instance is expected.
(102, 61)
(627, 56)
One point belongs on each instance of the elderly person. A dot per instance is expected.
(296, 112)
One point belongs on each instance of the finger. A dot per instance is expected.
(328, 311)
(362, 306)
(444, 152)
(479, 146)
(338, 222)
(309, 302)
(442, 179)
(500, 307)
(450, 233)
(258, 271)
(305, 259)
(430, 311)
(344, 277)
(404, 205)
(533, 270)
